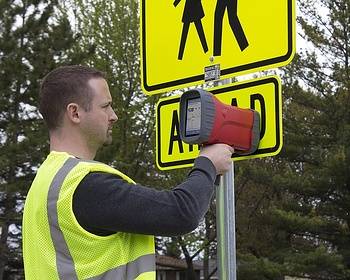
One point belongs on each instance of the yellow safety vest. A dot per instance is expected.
(55, 246)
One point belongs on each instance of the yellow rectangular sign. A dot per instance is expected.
(180, 39)
(263, 95)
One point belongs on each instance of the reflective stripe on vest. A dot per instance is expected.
(64, 260)
(130, 270)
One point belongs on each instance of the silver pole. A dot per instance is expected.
(226, 226)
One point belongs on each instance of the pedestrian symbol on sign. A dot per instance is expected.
(193, 13)
(231, 6)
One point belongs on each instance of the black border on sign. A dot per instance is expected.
(218, 91)
(254, 65)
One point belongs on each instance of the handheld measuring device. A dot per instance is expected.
(206, 120)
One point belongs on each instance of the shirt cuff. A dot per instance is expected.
(205, 165)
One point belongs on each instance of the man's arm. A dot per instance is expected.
(104, 203)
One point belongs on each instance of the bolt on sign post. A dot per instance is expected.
(186, 42)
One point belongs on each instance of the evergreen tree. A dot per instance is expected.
(304, 214)
(318, 128)
(33, 41)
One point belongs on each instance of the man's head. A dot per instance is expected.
(64, 85)
(77, 98)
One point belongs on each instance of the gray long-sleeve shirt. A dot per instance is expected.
(104, 203)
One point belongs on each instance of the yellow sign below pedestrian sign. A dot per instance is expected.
(263, 95)
(192, 41)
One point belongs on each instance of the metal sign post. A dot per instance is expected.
(226, 226)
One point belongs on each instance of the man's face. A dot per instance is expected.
(98, 122)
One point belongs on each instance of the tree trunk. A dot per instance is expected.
(190, 273)
(3, 248)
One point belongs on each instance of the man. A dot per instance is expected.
(86, 220)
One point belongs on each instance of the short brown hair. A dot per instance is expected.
(62, 86)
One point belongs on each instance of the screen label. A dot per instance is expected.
(193, 117)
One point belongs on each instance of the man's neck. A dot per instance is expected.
(71, 144)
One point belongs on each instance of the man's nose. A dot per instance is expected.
(114, 117)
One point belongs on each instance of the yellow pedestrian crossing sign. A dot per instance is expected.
(263, 95)
(188, 42)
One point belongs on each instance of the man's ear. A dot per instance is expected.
(73, 112)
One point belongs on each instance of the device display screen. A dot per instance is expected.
(193, 117)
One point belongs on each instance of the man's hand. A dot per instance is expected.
(220, 156)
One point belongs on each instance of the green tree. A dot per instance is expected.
(259, 245)
(318, 127)
(33, 41)
(304, 216)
